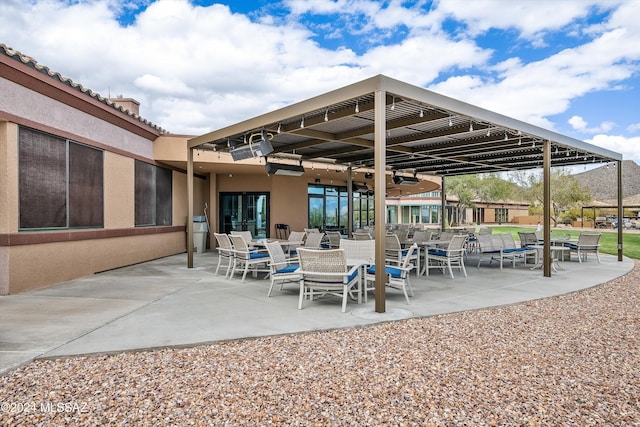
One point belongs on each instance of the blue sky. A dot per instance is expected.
(567, 65)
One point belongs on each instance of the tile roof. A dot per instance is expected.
(29, 61)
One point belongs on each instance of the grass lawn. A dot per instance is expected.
(608, 241)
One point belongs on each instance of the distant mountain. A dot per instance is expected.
(602, 182)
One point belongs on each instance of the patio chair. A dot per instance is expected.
(361, 235)
(248, 237)
(296, 239)
(527, 238)
(246, 258)
(422, 236)
(449, 257)
(325, 272)
(394, 254)
(359, 249)
(334, 239)
(587, 243)
(225, 252)
(313, 241)
(397, 277)
(282, 269)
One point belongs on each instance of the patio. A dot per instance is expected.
(163, 303)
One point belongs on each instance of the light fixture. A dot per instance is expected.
(393, 103)
(506, 137)
(357, 107)
(450, 122)
(421, 113)
(302, 122)
(279, 127)
(284, 169)
(471, 127)
(534, 144)
(556, 149)
(488, 131)
(259, 145)
(326, 115)
(405, 180)
(519, 140)
(567, 153)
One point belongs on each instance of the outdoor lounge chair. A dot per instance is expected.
(282, 269)
(334, 239)
(325, 272)
(397, 276)
(587, 243)
(499, 247)
(395, 255)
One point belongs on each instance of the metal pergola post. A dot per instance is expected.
(380, 180)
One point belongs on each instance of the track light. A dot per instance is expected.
(506, 137)
(450, 122)
(357, 107)
(302, 123)
(279, 127)
(393, 103)
(421, 113)
(519, 140)
(471, 127)
(488, 131)
(326, 115)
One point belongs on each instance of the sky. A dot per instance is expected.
(572, 66)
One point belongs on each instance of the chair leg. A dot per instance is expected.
(271, 287)
(464, 270)
(345, 295)
(301, 294)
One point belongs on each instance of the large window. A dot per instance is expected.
(60, 182)
(153, 195)
(328, 208)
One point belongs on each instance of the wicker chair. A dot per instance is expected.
(296, 239)
(282, 269)
(359, 249)
(450, 257)
(325, 272)
(587, 243)
(225, 252)
(334, 239)
(246, 258)
(397, 277)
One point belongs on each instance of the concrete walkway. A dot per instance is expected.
(163, 303)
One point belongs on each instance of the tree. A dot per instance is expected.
(464, 188)
(566, 191)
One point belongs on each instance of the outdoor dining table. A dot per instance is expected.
(428, 244)
(363, 263)
(556, 250)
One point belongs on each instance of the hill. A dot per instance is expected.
(601, 182)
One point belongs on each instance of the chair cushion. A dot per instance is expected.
(353, 276)
(394, 272)
(508, 251)
(257, 255)
(288, 269)
(437, 252)
(572, 246)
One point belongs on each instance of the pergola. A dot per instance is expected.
(395, 128)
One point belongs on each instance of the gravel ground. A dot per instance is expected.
(567, 360)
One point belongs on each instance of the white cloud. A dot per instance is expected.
(581, 125)
(628, 147)
(195, 68)
(635, 127)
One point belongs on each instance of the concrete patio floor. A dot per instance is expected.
(163, 303)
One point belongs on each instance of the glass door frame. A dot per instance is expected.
(243, 216)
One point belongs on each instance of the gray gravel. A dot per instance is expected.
(566, 360)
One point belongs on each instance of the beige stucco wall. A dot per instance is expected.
(8, 177)
(288, 195)
(36, 266)
(119, 191)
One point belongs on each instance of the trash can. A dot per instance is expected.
(200, 230)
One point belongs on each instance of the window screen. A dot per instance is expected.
(153, 195)
(61, 182)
